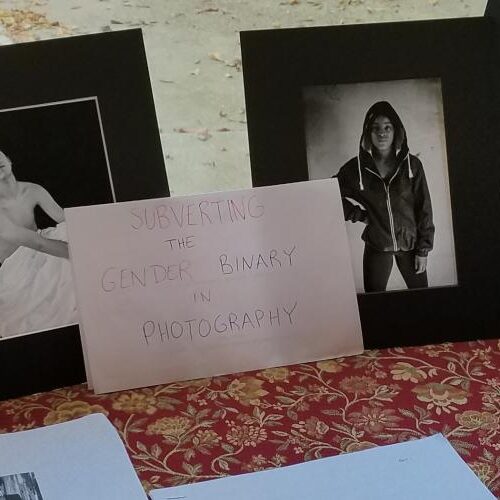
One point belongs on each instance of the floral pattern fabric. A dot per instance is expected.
(207, 428)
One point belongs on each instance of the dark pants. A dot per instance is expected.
(377, 267)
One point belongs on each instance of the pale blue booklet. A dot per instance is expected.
(424, 469)
(84, 459)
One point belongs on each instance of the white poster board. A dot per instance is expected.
(78, 460)
(424, 469)
(188, 287)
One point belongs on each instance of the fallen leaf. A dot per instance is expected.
(208, 9)
(204, 136)
(215, 56)
(235, 63)
(186, 130)
(19, 23)
(202, 133)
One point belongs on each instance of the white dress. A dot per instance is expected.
(36, 289)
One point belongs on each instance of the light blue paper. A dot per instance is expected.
(79, 460)
(425, 469)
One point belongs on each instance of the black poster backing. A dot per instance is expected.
(462, 53)
(493, 9)
(103, 79)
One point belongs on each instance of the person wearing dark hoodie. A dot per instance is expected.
(391, 197)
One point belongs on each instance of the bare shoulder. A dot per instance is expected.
(31, 191)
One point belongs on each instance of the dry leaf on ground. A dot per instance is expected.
(202, 133)
(19, 23)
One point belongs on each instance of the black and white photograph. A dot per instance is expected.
(20, 487)
(52, 156)
(325, 102)
(385, 144)
(77, 128)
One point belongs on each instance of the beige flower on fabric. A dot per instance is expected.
(206, 438)
(246, 435)
(330, 366)
(359, 385)
(70, 410)
(136, 403)
(375, 419)
(472, 419)
(247, 390)
(316, 427)
(484, 471)
(359, 446)
(442, 397)
(272, 375)
(170, 427)
(406, 371)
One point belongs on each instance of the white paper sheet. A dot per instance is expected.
(425, 469)
(181, 288)
(78, 460)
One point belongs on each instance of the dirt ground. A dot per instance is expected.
(195, 67)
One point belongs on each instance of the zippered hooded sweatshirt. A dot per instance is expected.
(397, 210)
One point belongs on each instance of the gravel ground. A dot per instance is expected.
(195, 66)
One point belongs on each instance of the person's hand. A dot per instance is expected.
(420, 264)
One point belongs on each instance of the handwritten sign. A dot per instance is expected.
(181, 288)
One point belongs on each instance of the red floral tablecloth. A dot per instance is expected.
(208, 428)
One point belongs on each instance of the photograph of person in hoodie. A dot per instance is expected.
(385, 144)
(389, 188)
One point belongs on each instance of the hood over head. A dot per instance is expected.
(383, 108)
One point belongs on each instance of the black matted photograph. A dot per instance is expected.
(22, 486)
(52, 156)
(385, 143)
(83, 134)
(406, 116)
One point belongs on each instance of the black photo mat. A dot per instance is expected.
(462, 54)
(493, 9)
(77, 117)
(61, 147)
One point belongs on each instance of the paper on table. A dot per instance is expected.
(425, 469)
(189, 287)
(78, 460)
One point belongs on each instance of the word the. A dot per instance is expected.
(114, 278)
(227, 323)
(268, 260)
(181, 243)
(205, 212)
